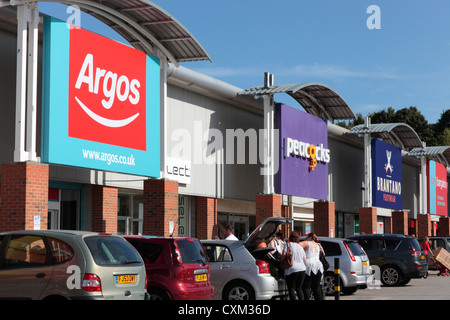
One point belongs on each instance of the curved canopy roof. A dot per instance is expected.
(398, 134)
(439, 154)
(143, 24)
(316, 98)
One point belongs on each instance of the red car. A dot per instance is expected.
(177, 268)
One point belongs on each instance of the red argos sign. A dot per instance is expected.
(107, 96)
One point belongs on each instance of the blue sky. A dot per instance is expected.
(405, 63)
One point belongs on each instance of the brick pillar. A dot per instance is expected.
(104, 209)
(368, 220)
(267, 205)
(285, 228)
(423, 225)
(24, 195)
(324, 219)
(160, 207)
(388, 227)
(400, 222)
(206, 218)
(444, 226)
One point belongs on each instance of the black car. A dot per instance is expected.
(399, 257)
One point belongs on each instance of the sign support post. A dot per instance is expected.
(367, 201)
(26, 82)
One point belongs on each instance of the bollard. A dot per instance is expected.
(337, 279)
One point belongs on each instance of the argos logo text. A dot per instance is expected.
(107, 98)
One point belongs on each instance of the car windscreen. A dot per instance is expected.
(191, 251)
(415, 245)
(112, 251)
(355, 247)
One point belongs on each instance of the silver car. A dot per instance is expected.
(69, 265)
(355, 269)
(241, 272)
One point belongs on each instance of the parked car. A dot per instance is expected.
(437, 242)
(177, 268)
(69, 265)
(399, 257)
(354, 264)
(241, 272)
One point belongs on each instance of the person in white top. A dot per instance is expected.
(229, 233)
(278, 244)
(295, 275)
(314, 268)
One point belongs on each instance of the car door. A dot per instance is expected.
(221, 263)
(25, 266)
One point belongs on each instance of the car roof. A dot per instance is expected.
(436, 237)
(381, 235)
(158, 237)
(329, 239)
(53, 232)
(229, 243)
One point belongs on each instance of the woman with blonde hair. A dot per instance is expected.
(314, 268)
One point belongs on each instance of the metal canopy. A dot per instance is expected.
(143, 24)
(398, 134)
(439, 154)
(316, 98)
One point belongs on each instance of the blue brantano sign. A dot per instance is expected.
(386, 175)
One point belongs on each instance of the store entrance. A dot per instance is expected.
(240, 226)
(64, 208)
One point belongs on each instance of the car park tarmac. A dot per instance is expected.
(434, 287)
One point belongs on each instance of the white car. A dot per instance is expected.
(240, 272)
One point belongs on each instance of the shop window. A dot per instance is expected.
(239, 223)
(64, 208)
(303, 227)
(131, 214)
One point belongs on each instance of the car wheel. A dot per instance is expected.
(159, 295)
(391, 276)
(239, 291)
(405, 281)
(328, 284)
(350, 290)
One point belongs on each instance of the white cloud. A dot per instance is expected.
(327, 71)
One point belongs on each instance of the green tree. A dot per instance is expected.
(415, 119)
(441, 129)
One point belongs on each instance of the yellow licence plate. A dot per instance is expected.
(126, 278)
(201, 277)
(365, 264)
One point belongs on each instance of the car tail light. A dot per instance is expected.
(362, 249)
(146, 279)
(91, 283)
(350, 253)
(176, 255)
(263, 267)
(415, 253)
